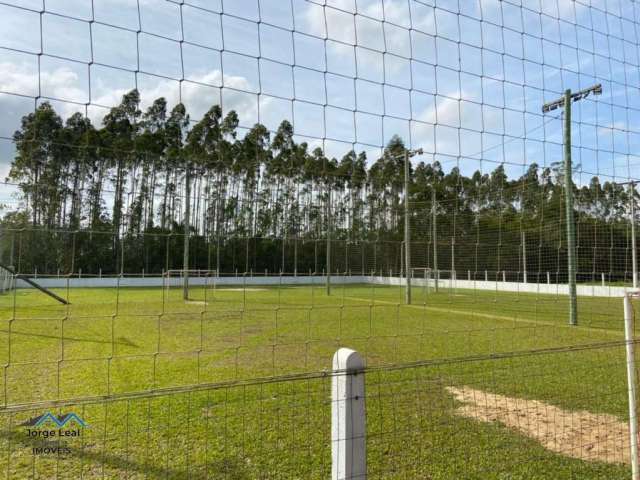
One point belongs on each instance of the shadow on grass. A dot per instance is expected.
(119, 341)
(231, 468)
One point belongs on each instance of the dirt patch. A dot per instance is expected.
(195, 302)
(580, 434)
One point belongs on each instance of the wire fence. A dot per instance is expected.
(546, 411)
(205, 201)
(540, 256)
(120, 337)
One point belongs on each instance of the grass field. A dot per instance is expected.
(240, 424)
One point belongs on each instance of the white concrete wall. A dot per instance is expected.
(151, 281)
(499, 286)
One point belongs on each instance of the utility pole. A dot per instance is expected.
(524, 258)
(434, 234)
(407, 232)
(634, 250)
(453, 262)
(217, 247)
(295, 255)
(571, 233)
(187, 214)
(407, 224)
(328, 278)
(632, 220)
(565, 101)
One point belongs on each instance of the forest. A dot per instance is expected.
(115, 198)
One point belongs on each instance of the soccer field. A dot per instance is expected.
(103, 355)
(319, 239)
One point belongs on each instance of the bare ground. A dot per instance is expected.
(578, 434)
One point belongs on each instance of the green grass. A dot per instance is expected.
(113, 343)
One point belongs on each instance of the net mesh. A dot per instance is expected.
(257, 150)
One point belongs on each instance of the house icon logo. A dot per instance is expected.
(49, 419)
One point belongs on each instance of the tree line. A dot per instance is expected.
(147, 174)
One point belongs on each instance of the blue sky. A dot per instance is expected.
(464, 80)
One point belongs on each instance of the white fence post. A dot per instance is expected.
(631, 384)
(348, 417)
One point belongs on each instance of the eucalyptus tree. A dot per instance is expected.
(79, 149)
(121, 128)
(315, 187)
(252, 154)
(37, 166)
(530, 193)
(352, 174)
(173, 137)
(387, 181)
(267, 185)
(151, 144)
(219, 144)
(281, 172)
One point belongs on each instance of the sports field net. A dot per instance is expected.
(485, 418)
(225, 193)
(7, 280)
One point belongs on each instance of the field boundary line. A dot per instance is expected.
(606, 331)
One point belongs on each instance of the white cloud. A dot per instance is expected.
(444, 111)
(199, 95)
(19, 75)
(19, 78)
(370, 33)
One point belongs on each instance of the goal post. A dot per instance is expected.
(425, 277)
(7, 280)
(184, 281)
